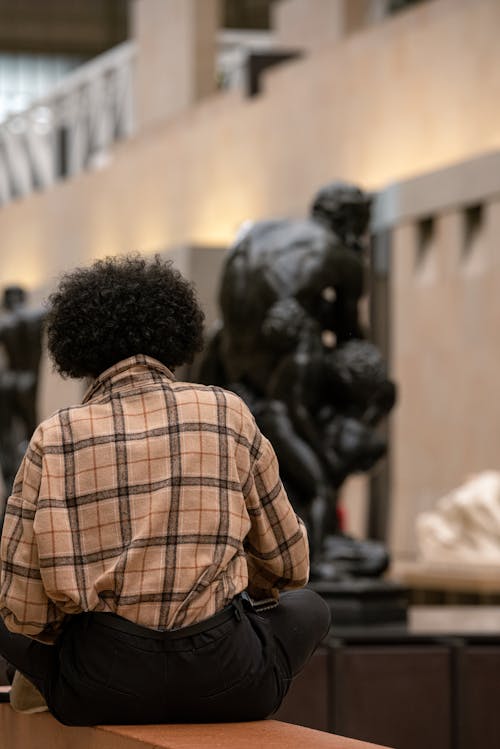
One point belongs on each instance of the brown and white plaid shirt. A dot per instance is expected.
(155, 499)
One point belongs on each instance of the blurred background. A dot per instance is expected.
(163, 125)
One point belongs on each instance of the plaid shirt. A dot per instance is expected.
(155, 499)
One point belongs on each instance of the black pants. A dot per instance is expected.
(235, 666)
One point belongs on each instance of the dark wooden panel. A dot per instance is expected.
(478, 697)
(306, 703)
(81, 27)
(399, 696)
(247, 14)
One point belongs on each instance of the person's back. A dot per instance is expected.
(140, 518)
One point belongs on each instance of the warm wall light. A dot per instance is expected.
(30, 275)
(221, 228)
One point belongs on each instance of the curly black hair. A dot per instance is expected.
(119, 307)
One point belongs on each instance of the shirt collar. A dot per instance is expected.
(137, 367)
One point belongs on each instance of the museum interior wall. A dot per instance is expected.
(372, 101)
(444, 346)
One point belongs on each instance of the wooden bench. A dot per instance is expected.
(42, 731)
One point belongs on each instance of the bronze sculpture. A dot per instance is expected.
(291, 344)
(21, 343)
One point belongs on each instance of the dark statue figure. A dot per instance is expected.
(291, 344)
(21, 346)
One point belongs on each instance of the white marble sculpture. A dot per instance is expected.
(465, 524)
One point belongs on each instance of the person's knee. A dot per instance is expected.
(321, 611)
(313, 605)
(299, 624)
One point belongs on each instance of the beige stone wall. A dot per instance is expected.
(446, 354)
(309, 26)
(397, 99)
(313, 24)
(176, 64)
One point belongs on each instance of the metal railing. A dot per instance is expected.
(71, 129)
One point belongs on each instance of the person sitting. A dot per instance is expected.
(148, 538)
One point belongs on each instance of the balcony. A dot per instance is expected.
(72, 128)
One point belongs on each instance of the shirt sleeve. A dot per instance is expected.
(24, 605)
(276, 546)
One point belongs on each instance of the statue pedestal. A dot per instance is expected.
(363, 601)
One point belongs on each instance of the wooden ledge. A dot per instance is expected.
(42, 730)
(452, 577)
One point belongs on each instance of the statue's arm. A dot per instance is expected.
(288, 385)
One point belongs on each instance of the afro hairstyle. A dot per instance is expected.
(119, 307)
